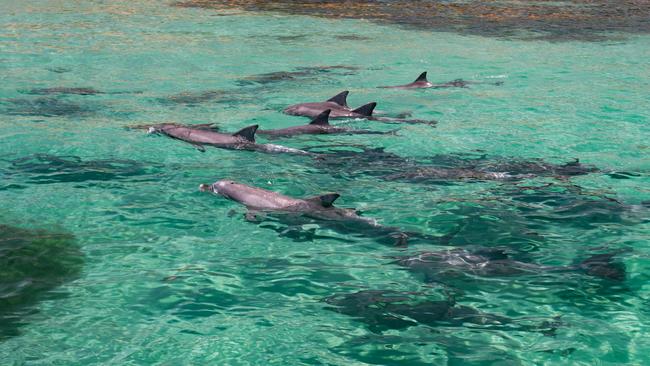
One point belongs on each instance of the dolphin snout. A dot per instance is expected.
(205, 187)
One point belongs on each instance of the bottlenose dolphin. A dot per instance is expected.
(319, 208)
(382, 310)
(243, 139)
(422, 83)
(337, 105)
(495, 263)
(318, 125)
(339, 109)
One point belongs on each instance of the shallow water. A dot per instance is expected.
(174, 276)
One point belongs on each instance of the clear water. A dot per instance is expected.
(173, 276)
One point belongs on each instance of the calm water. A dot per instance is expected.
(142, 268)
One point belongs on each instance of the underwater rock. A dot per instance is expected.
(33, 262)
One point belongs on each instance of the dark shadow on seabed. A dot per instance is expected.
(585, 20)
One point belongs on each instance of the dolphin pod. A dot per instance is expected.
(382, 309)
(338, 107)
(319, 125)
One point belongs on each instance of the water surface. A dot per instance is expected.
(171, 275)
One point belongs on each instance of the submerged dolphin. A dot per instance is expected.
(383, 310)
(72, 90)
(337, 105)
(319, 125)
(422, 83)
(491, 263)
(319, 208)
(507, 170)
(243, 139)
(339, 109)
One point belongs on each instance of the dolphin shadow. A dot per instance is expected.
(47, 169)
(47, 107)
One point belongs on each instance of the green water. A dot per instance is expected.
(174, 276)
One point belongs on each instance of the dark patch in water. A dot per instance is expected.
(32, 264)
(300, 74)
(586, 20)
(351, 37)
(46, 107)
(59, 70)
(213, 96)
(46, 169)
(292, 38)
(63, 90)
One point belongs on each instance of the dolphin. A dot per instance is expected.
(243, 139)
(422, 83)
(339, 109)
(318, 125)
(497, 170)
(337, 105)
(495, 263)
(319, 208)
(383, 310)
(419, 83)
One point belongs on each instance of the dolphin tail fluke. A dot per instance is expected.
(422, 77)
(247, 132)
(322, 119)
(604, 266)
(340, 98)
(366, 109)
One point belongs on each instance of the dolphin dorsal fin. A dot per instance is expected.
(322, 119)
(247, 132)
(325, 200)
(366, 109)
(340, 98)
(422, 77)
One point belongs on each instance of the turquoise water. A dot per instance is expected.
(174, 276)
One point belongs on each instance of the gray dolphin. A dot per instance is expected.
(318, 125)
(339, 109)
(260, 201)
(422, 83)
(243, 139)
(495, 263)
(337, 105)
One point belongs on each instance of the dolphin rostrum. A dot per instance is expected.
(318, 125)
(243, 139)
(319, 208)
(422, 83)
